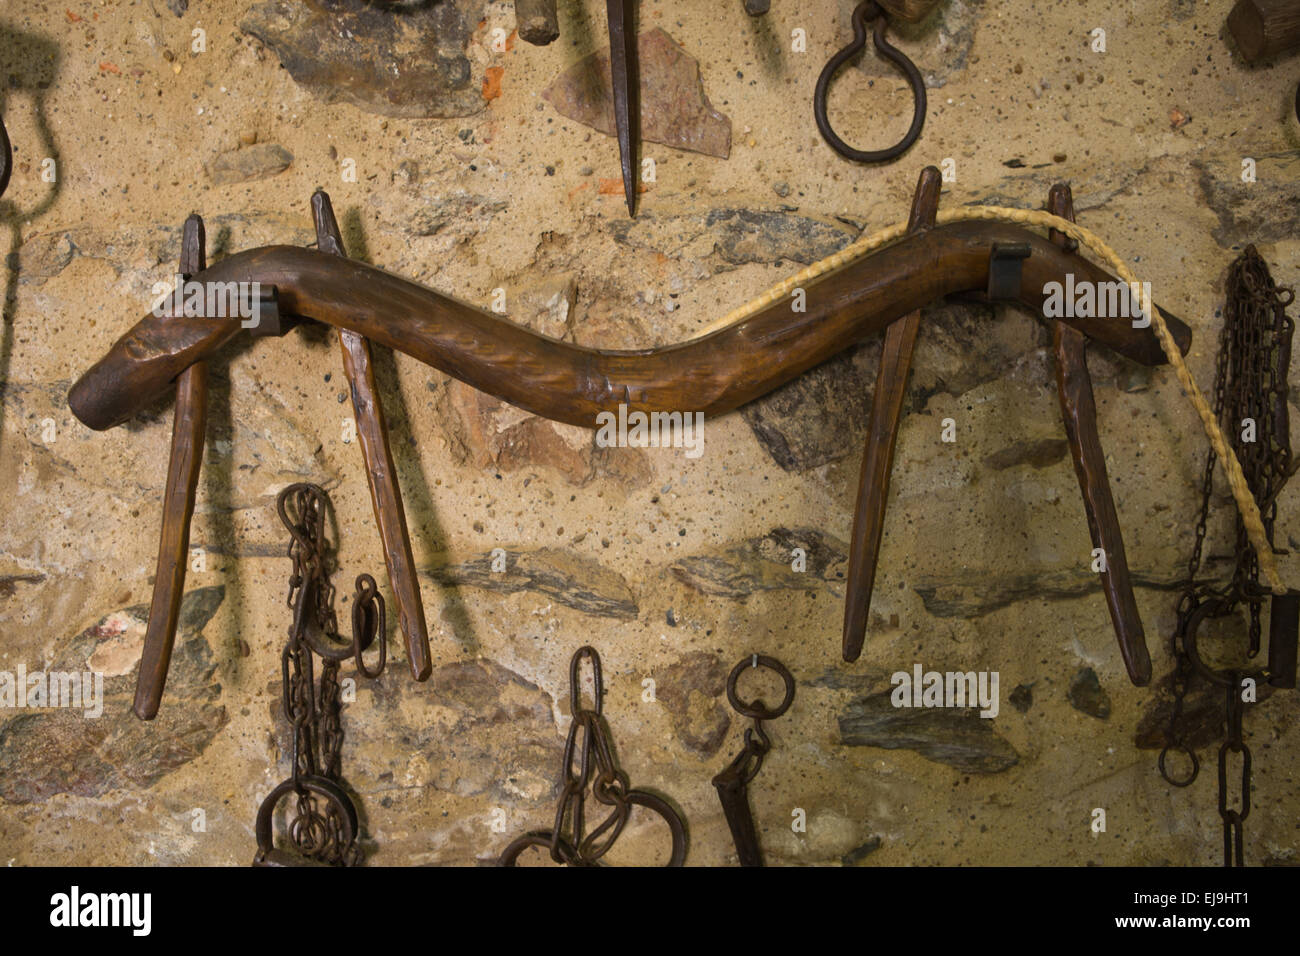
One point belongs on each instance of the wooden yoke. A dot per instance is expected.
(710, 374)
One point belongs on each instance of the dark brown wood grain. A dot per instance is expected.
(569, 383)
(878, 458)
(188, 429)
(1079, 413)
(385, 495)
(1265, 28)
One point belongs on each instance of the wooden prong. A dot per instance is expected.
(878, 458)
(188, 426)
(1079, 413)
(385, 495)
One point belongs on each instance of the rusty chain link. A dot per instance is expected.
(1250, 393)
(568, 841)
(323, 828)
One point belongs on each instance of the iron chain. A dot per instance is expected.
(1250, 401)
(318, 829)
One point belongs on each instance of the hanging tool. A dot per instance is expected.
(323, 828)
(733, 782)
(568, 841)
(1250, 396)
(537, 23)
(624, 76)
(870, 11)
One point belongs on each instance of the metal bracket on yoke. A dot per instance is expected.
(1005, 265)
(1284, 623)
(265, 320)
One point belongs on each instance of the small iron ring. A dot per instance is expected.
(320, 786)
(870, 10)
(757, 709)
(1196, 765)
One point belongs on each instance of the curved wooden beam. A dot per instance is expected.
(712, 374)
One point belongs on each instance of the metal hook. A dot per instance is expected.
(870, 10)
(326, 850)
(369, 623)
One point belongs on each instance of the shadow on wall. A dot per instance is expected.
(31, 62)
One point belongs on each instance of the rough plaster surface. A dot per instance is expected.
(672, 567)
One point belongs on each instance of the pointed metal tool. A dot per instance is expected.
(624, 75)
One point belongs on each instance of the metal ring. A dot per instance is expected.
(322, 787)
(642, 798)
(546, 839)
(870, 10)
(1196, 765)
(757, 709)
(537, 838)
